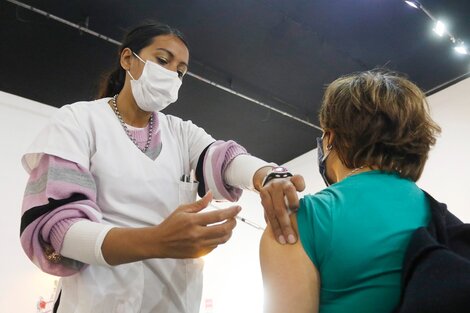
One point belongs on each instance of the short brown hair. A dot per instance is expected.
(380, 119)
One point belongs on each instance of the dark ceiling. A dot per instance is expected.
(280, 52)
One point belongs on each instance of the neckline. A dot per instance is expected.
(118, 124)
(133, 128)
(366, 172)
(371, 172)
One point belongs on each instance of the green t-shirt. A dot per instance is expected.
(356, 233)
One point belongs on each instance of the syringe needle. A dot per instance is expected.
(242, 219)
(252, 224)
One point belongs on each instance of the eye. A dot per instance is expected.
(162, 61)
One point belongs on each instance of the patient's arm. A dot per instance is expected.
(291, 281)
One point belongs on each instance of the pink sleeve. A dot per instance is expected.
(58, 194)
(216, 159)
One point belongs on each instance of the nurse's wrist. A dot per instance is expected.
(126, 245)
(150, 245)
(259, 177)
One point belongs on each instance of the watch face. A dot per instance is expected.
(279, 169)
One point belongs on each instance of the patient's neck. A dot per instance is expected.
(340, 171)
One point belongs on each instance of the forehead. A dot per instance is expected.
(171, 43)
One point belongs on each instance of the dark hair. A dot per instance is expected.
(136, 39)
(380, 119)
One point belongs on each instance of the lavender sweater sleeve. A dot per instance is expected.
(58, 194)
(212, 165)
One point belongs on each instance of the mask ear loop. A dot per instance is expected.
(328, 147)
(137, 56)
(328, 151)
(128, 72)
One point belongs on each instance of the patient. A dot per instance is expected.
(377, 133)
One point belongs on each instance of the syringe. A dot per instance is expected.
(242, 219)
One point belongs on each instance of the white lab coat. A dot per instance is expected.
(133, 191)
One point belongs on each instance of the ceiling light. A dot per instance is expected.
(414, 4)
(461, 49)
(440, 28)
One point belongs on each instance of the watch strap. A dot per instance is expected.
(276, 172)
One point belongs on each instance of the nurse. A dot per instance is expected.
(110, 205)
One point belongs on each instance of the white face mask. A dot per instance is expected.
(156, 88)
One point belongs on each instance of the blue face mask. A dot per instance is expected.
(322, 160)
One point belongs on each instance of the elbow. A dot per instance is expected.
(47, 260)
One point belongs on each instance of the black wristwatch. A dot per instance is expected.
(276, 172)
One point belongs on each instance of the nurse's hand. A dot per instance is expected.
(190, 233)
(274, 196)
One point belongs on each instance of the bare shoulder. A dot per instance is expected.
(270, 246)
(274, 254)
(291, 281)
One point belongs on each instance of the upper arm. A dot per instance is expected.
(64, 137)
(291, 281)
(58, 194)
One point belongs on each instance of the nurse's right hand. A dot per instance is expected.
(190, 233)
(186, 233)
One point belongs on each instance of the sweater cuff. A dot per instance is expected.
(83, 242)
(59, 230)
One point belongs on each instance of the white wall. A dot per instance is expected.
(447, 172)
(232, 276)
(21, 282)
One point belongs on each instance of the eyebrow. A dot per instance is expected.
(172, 55)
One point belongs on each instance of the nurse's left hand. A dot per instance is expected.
(190, 232)
(277, 196)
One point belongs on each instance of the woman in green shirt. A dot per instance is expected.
(377, 133)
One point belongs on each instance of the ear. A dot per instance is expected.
(125, 60)
(331, 138)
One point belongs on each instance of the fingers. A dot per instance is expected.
(217, 216)
(220, 233)
(291, 199)
(216, 235)
(199, 204)
(281, 212)
(298, 182)
(277, 197)
(267, 203)
(297, 185)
